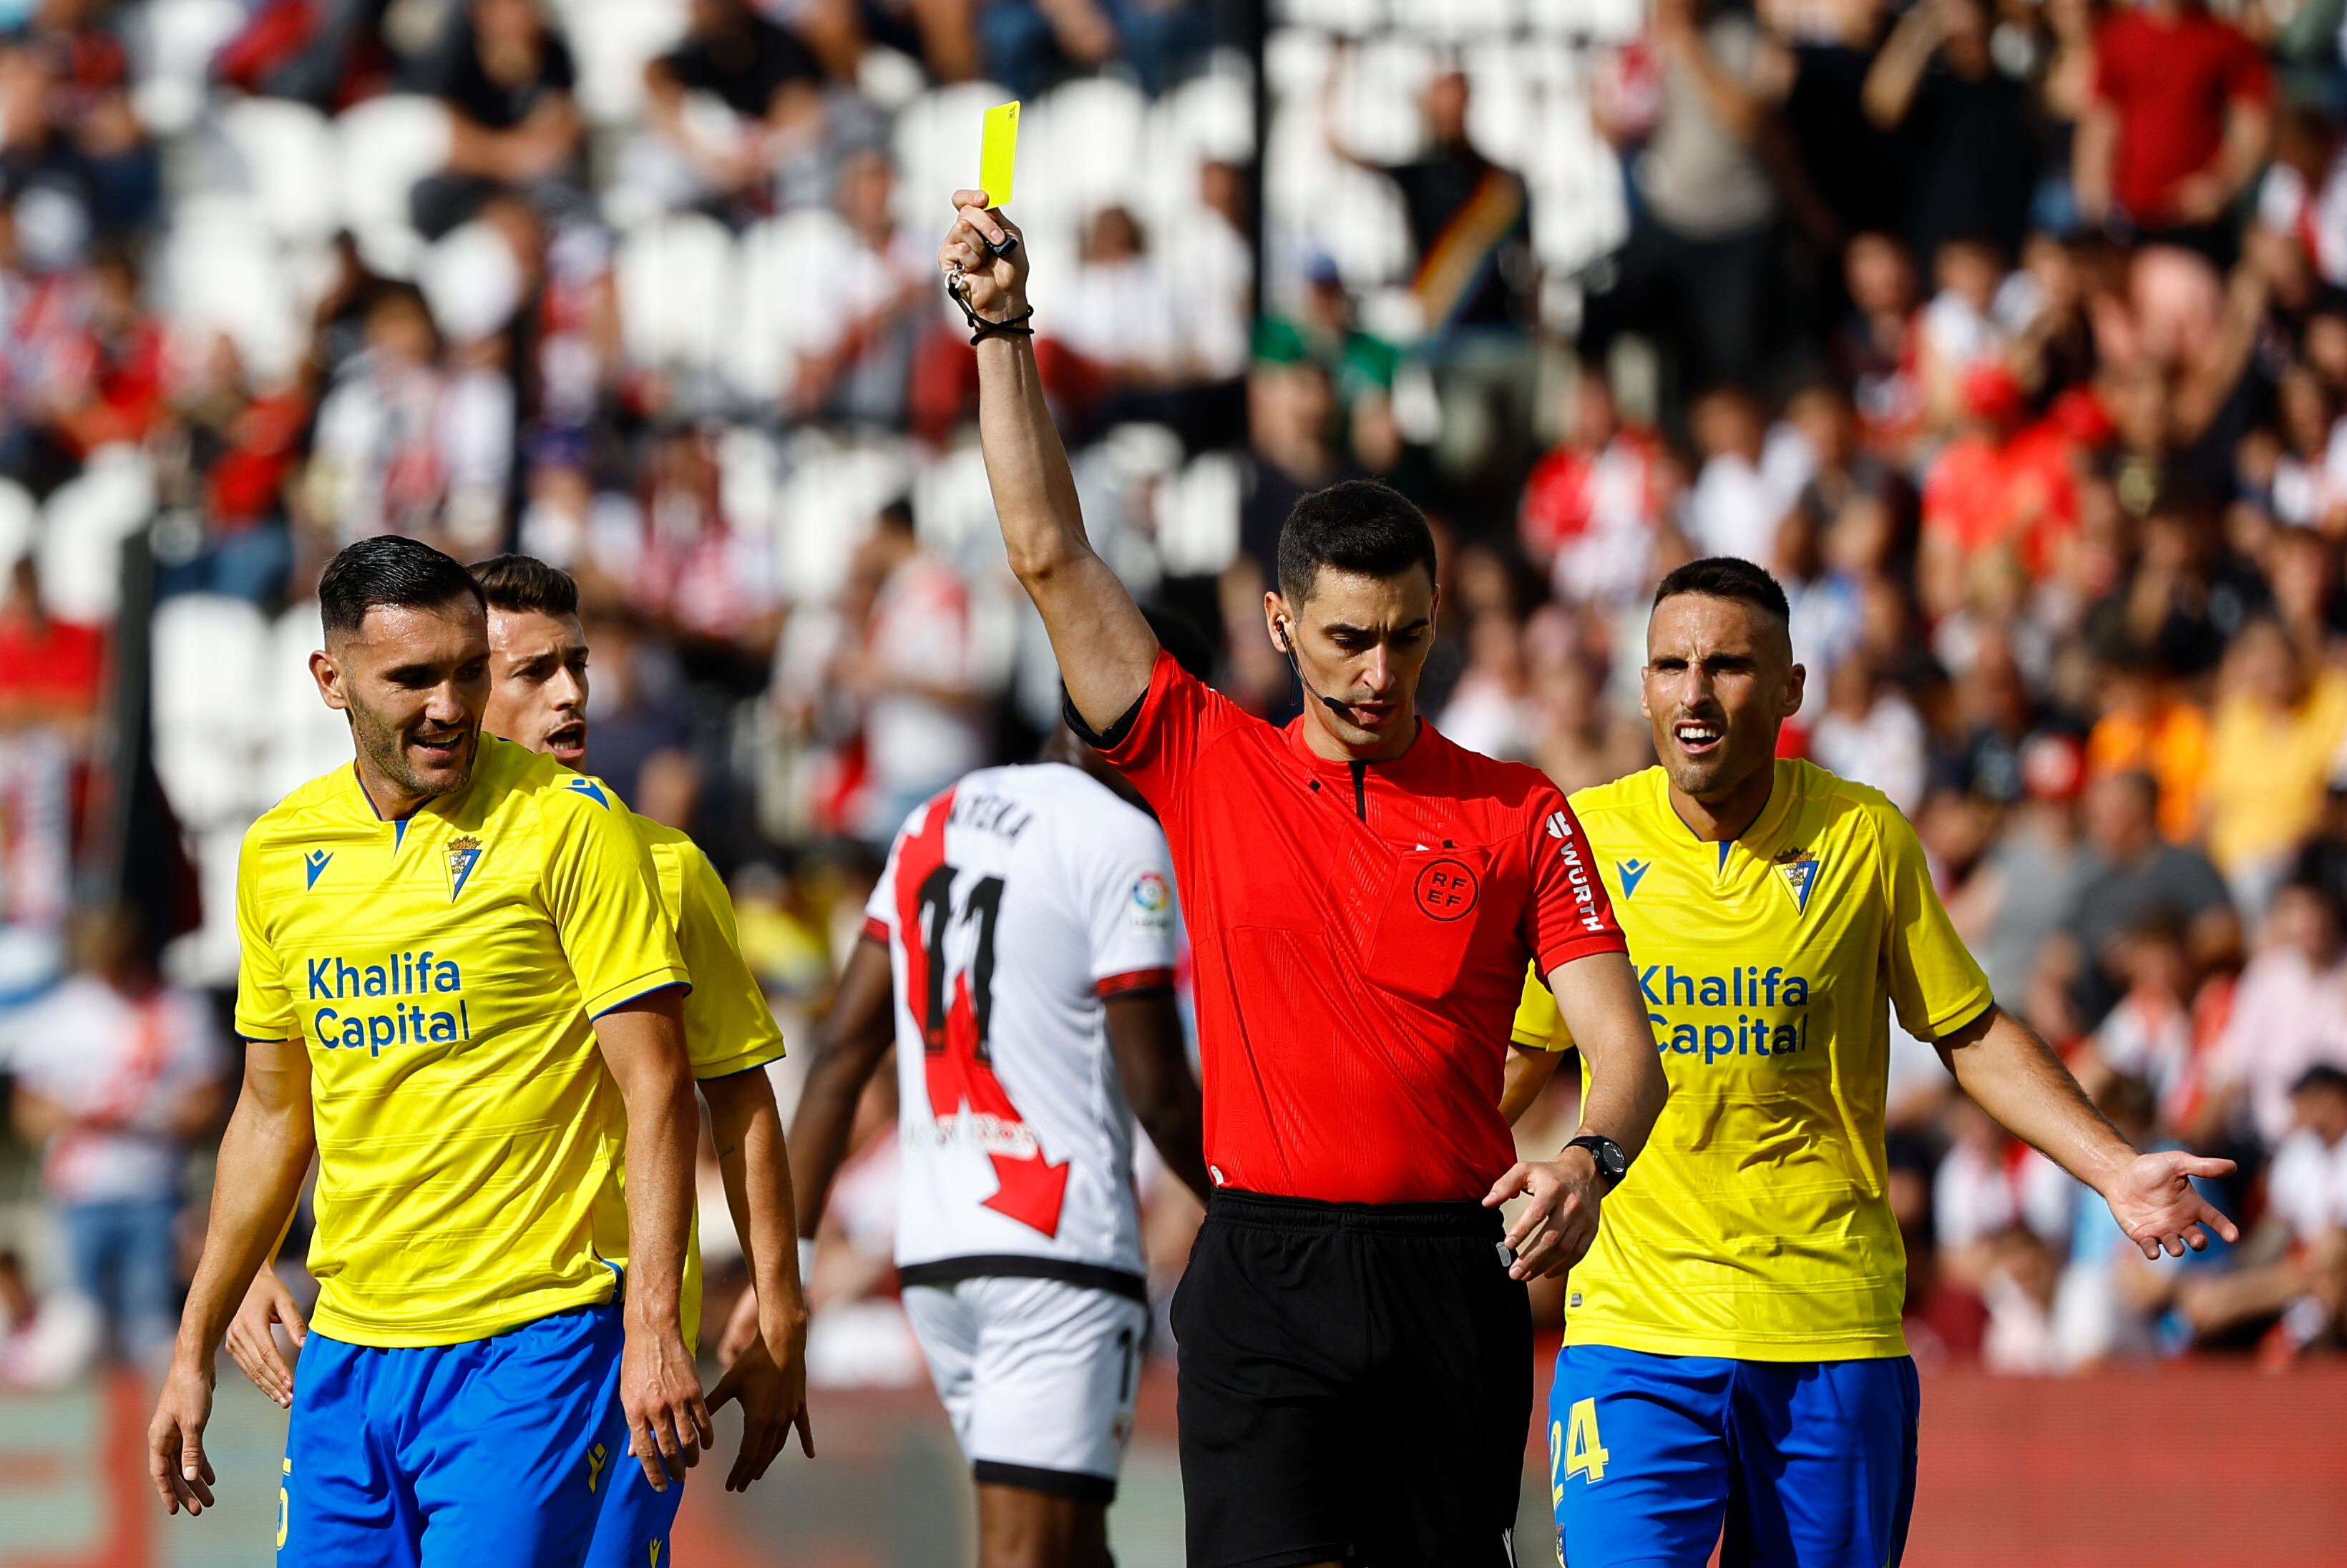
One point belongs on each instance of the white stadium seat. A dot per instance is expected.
(286, 154)
(385, 145)
(676, 282)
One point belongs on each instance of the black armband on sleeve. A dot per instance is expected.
(1113, 736)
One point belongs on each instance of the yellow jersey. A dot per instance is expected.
(442, 970)
(1754, 1225)
(728, 1026)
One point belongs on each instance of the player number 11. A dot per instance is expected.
(1574, 1449)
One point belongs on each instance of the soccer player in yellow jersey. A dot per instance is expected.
(538, 698)
(1733, 1364)
(458, 988)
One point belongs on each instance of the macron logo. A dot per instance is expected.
(593, 790)
(315, 862)
(1633, 872)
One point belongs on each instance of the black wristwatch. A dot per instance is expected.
(1611, 1162)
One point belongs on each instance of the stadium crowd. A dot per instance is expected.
(2012, 340)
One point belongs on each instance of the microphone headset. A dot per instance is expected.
(1342, 710)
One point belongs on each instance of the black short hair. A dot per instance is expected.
(2321, 1075)
(1726, 577)
(523, 585)
(1360, 526)
(389, 569)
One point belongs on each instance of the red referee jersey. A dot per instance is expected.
(1360, 931)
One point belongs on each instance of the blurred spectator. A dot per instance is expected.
(916, 674)
(1697, 264)
(738, 97)
(1965, 124)
(1469, 218)
(1119, 311)
(2178, 124)
(1590, 508)
(50, 669)
(1736, 507)
(2132, 879)
(880, 305)
(2285, 1282)
(2289, 1015)
(2149, 726)
(505, 76)
(1871, 733)
(2277, 728)
(115, 1075)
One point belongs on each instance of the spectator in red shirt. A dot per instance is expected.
(1361, 895)
(49, 669)
(2178, 125)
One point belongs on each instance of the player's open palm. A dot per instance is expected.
(175, 1441)
(773, 1400)
(252, 1340)
(993, 286)
(668, 1419)
(2156, 1205)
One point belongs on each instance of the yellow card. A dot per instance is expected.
(998, 153)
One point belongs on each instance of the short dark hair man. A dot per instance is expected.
(455, 982)
(1749, 1285)
(1361, 896)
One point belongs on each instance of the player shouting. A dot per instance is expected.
(1019, 951)
(1732, 1357)
(454, 982)
(538, 698)
(1362, 896)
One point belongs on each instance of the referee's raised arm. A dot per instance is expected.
(1104, 647)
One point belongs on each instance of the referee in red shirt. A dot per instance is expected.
(1362, 897)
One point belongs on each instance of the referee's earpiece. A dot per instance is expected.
(1282, 638)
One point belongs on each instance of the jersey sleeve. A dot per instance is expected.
(1156, 742)
(728, 1025)
(1568, 915)
(880, 909)
(265, 1007)
(1131, 913)
(1540, 1022)
(603, 893)
(1935, 985)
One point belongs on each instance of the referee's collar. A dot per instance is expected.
(1423, 744)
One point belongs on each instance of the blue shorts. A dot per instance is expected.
(1655, 1458)
(493, 1450)
(633, 1528)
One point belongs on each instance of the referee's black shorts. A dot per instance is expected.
(1355, 1385)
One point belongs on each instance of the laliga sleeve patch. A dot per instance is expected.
(1149, 902)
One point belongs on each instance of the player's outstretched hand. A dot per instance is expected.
(2156, 1204)
(252, 1346)
(175, 1439)
(773, 1400)
(995, 285)
(660, 1388)
(1556, 1227)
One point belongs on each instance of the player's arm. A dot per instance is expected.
(643, 1042)
(849, 1042)
(1104, 647)
(1529, 1068)
(2017, 1079)
(262, 1156)
(1605, 1014)
(770, 1376)
(1144, 1030)
(252, 1340)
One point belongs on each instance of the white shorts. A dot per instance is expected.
(1039, 1377)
